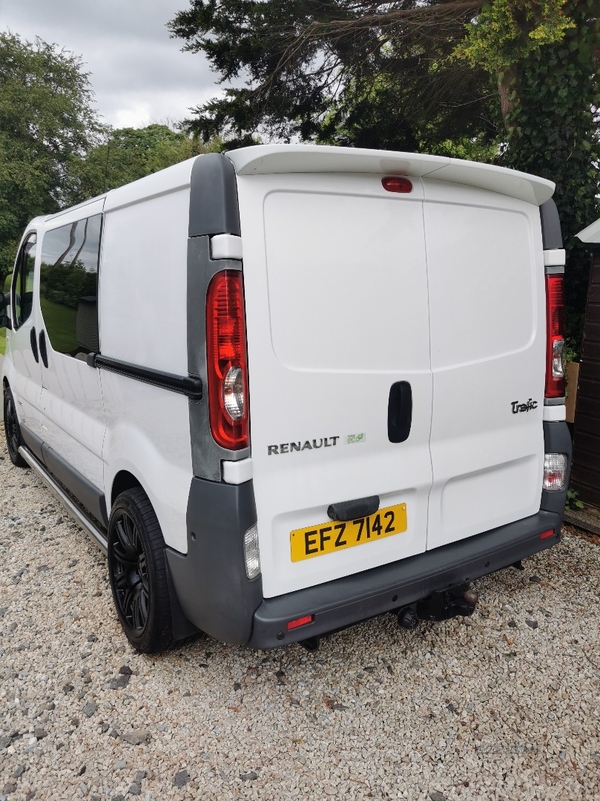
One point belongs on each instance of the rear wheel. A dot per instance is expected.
(138, 572)
(12, 430)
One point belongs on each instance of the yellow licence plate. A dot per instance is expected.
(337, 535)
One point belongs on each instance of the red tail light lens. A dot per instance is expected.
(395, 184)
(555, 323)
(226, 360)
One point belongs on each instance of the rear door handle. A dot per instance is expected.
(33, 343)
(399, 411)
(43, 348)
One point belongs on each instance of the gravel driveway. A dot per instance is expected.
(504, 705)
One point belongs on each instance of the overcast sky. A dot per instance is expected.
(138, 73)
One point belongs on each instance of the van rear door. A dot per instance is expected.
(487, 305)
(338, 346)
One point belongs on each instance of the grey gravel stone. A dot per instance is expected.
(89, 708)
(136, 737)
(533, 624)
(181, 778)
(118, 683)
(248, 777)
(134, 789)
(435, 796)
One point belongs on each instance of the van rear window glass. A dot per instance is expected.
(69, 286)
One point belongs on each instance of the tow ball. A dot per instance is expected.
(443, 605)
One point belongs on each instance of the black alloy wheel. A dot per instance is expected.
(131, 574)
(138, 572)
(12, 430)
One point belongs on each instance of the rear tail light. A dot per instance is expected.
(555, 471)
(226, 360)
(555, 325)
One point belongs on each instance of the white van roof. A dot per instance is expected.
(265, 159)
(261, 159)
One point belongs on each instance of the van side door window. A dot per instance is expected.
(22, 285)
(71, 389)
(69, 286)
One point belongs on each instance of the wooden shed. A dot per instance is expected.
(586, 435)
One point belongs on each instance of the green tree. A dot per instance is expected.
(509, 81)
(546, 69)
(355, 72)
(47, 122)
(126, 154)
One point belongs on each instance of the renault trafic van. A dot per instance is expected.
(289, 388)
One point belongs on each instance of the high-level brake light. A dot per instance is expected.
(394, 183)
(226, 360)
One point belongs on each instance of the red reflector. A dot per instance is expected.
(555, 336)
(547, 534)
(300, 621)
(226, 363)
(395, 184)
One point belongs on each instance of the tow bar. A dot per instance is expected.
(443, 605)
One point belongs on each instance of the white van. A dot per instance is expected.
(290, 388)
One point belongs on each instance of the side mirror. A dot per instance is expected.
(4, 305)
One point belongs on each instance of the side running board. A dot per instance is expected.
(76, 513)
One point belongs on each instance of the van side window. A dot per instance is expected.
(22, 285)
(69, 286)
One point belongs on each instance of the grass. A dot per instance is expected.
(2, 341)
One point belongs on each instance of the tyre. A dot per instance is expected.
(12, 430)
(138, 573)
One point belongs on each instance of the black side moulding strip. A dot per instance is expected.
(185, 385)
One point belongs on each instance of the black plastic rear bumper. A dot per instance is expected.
(349, 600)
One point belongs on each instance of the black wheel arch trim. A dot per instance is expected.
(210, 580)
